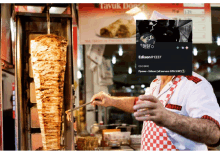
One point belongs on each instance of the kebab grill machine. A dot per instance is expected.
(44, 78)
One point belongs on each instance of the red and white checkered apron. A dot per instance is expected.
(155, 137)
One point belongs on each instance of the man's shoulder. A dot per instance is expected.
(196, 79)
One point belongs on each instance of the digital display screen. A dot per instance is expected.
(164, 47)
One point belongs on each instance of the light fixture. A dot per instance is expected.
(218, 41)
(196, 65)
(132, 86)
(113, 59)
(142, 86)
(195, 51)
(57, 10)
(79, 74)
(120, 50)
(140, 16)
(214, 59)
(208, 69)
(209, 59)
(12, 29)
(79, 63)
(130, 70)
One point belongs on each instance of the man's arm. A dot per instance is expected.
(200, 130)
(124, 103)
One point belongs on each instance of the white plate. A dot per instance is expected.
(99, 24)
(97, 33)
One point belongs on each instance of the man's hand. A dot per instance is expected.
(101, 99)
(149, 108)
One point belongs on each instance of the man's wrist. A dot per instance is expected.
(168, 118)
(112, 101)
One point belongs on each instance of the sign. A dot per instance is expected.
(199, 13)
(102, 23)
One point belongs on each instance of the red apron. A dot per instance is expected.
(155, 137)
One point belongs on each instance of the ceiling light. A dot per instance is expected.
(130, 70)
(57, 10)
(79, 75)
(196, 65)
(140, 16)
(113, 59)
(214, 59)
(132, 86)
(142, 86)
(12, 29)
(218, 41)
(209, 69)
(78, 63)
(209, 59)
(120, 50)
(195, 51)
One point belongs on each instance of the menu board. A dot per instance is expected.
(199, 13)
(103, 23)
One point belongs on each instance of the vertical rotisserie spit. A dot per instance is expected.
(48, 57)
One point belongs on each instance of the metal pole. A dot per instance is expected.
(68, 127)
(48, 20)
(18, 89)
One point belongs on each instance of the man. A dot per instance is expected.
(181, 113)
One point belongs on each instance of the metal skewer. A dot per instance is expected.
(78, 107)
(48, 20)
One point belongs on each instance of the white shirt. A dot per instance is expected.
(195, 98)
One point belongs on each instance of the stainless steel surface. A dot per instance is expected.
(122, 148)
(136, 147)
(128, 127)
(73, 90)
(68, 133)
(19, 126)
(114, 143)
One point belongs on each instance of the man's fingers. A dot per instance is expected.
(148, 98)
(144, 112)
(144, 105)
(96, 96)
(145, 118)
(97, 103)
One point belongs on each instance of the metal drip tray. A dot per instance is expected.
(122, 148)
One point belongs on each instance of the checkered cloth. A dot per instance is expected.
(177, 79)
(155, 137)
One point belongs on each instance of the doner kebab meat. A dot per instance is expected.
(48, 57)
